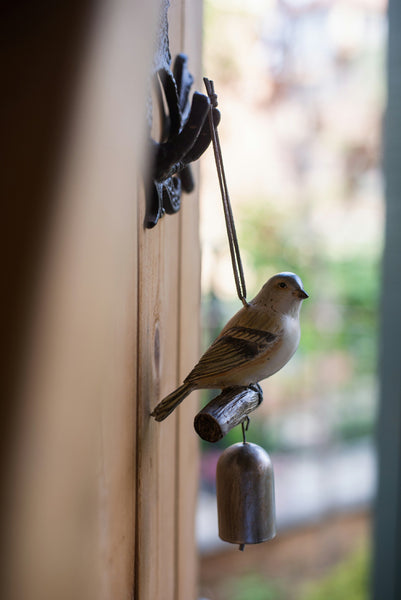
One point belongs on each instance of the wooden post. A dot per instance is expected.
(99, 499)
(169, 304)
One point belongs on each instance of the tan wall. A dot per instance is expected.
(100, 499)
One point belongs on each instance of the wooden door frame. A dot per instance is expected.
(100, 498)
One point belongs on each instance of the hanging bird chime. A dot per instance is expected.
(255, 343)
(244, 476)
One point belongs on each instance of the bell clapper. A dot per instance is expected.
(241, 547)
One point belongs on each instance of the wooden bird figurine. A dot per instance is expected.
(256, 343)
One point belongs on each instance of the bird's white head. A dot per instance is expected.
(282, 293)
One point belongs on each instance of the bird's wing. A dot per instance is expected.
(235, 348)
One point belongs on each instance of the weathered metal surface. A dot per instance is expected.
(245, 495)
(184, 130)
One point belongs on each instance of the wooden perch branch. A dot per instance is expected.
(226, 411)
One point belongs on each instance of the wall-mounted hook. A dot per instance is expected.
(185, 135)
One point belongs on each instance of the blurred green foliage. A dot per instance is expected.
(252, 587)
(339, 321)
(349, 580)
(341, 314)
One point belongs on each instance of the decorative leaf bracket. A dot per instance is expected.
(185, 137)
(185, 132)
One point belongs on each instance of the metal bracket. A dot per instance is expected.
(185, 135)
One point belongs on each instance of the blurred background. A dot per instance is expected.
(301, 88)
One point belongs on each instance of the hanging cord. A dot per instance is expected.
(228, 214)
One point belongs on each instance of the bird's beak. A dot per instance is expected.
(302, 294)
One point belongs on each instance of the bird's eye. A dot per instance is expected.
(282, 284)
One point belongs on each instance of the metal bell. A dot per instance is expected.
(245, 495)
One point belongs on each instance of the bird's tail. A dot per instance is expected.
(170, 402)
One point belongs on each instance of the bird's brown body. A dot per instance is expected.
(256, 343)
